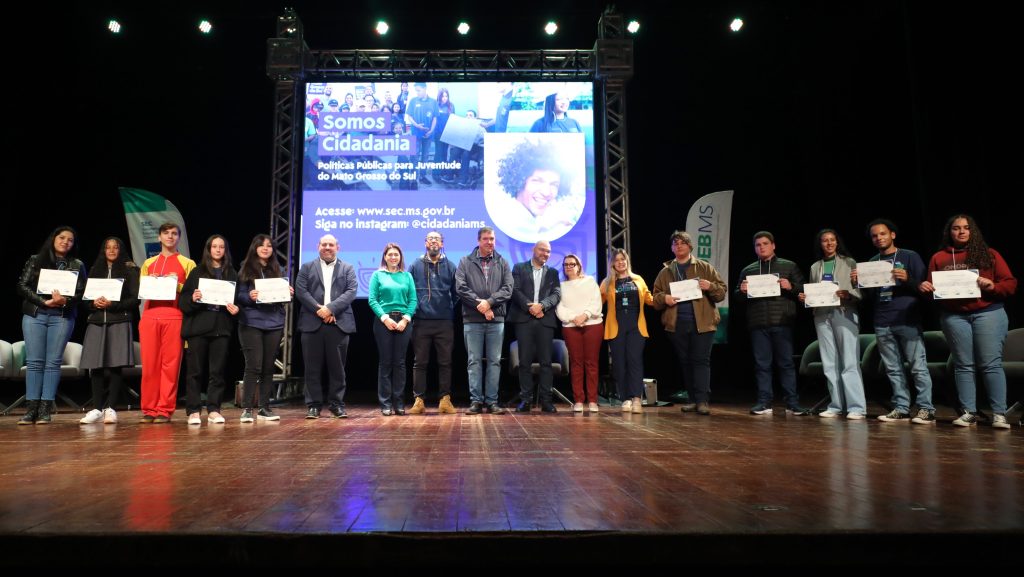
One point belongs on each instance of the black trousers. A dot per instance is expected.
(259, 347)
(206, 359)
(104, 396)
(326, 347)
(534, 345)
(427, 334)
(391, 348)
(693, 351)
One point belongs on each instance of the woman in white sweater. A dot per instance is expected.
(582, 328)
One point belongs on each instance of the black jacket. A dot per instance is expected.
(120, 311)
(772, 311)
(522, 294)
(198, 319)
(29, 280)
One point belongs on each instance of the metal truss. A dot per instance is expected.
(453, 64)
(283, 195)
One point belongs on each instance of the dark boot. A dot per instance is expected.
(45, 408)
(31, 414)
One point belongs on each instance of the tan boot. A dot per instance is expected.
(445, 406)
(418, 408)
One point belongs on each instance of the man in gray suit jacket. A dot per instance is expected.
(325, 289)
(535, 294)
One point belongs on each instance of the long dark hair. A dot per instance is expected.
(46, 257)
(251, 267)
(840, 245)
(440, 105)
(120, 267)
(977, 249)
(206, 267)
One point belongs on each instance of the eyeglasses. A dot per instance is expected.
(432, 237)
(569, 264)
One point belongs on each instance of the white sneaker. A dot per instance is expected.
(215, 418)
(855, 416)
(593, 407)
(637, 405)
(999, 422)
(194, 419)
(828, 414)
(627, 406)
(109, 416)
(577, 408)
(95, 415)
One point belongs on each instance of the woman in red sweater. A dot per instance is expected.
(975, 327)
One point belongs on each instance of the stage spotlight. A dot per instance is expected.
(382, 28)
(551, 28)
(205, 27)
(633, 26)
(736, 25)
(114, 26)
(463, 28)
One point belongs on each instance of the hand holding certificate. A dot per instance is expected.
(956, 284)
(62, 281)
(108, 288)
(273, 290)
(216, 292)
(874, 274)
(763, 285)
(685, 290)
(821, 294)
(158, 288)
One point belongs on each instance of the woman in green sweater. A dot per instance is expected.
(393, 301)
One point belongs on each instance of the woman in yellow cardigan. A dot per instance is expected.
(625, 327)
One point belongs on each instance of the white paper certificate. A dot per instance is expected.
(108, 288)
(273, 290)
(874, 274)
(685, 290)
(158, 288)
(62, 281)
(217, 292)
(821, 294)
(956, 284)
(763, 285)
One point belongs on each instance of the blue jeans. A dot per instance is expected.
(483, 342)
(774, 344)
(897, 344)
(837, 331)
(976, 341)
(45, 339)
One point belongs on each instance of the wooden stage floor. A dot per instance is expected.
(656, 483)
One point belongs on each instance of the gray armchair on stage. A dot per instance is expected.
(7, 369)
(69, 369)
(810, 364)
(133, 375)
(559, 368)
(1013, 365)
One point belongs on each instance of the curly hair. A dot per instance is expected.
(977, 250)
(525, 159)
(840, 245)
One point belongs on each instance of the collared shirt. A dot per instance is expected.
(485, 264)
(327, 270)
(538, 277)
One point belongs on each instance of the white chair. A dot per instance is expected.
(70, 368)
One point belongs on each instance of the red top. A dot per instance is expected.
(161, 265)
(953, 259)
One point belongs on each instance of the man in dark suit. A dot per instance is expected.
(535, 293)
(325, 289)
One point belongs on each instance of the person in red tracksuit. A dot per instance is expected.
(160, 331)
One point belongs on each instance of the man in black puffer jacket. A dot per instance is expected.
(770, 321)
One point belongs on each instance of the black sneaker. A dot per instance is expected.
(338, 412)
(475, 408)
(313, 413)
(761, 409)
(523, 407)
(548, 408)
(924, 417)
(266, 414)
(798, 411)
(494, 409)
(246, 416)
(894, 415)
